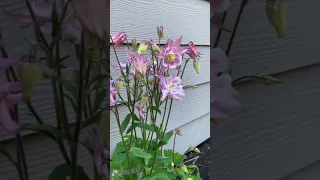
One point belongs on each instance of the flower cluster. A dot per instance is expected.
(143, 69)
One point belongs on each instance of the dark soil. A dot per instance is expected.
(203, 161)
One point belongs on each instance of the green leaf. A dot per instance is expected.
(45, 129)
(181, 173)
(68, 85)
(72, 101)
(140, 153)
(165, 138)
(156, 176)
(178, 158)
(125, 123)
(145, 127)
(63, 171)
(92, 119)
(99, 98)
(129, 130)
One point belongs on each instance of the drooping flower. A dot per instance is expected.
(192, 51)
(154, 47)
(140, 64)
(223, 96)
(113, 92)
(142, 111)
(119, 38)
(93, 15)
(172, 54)
(8, 99)
(99, 150)
(171, 87)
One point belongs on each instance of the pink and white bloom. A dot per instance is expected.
(9, 97)
(172, 54)
(119, 38)
(192, 51)
(142, 111)
(113, 92)
(171, 87)
(223, 96)
(140, 64)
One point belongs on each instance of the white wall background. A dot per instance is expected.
(278, 132)
(139, 19)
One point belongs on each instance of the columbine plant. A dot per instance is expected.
(85, 89)
(152, 80)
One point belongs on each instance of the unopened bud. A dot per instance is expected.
(134, 44)
(271, 79)
(196, 66)
(184, 168)
(160, 32)
(196, 150)
(144, 100)
(172, 164)
(48, 73)
(155, 48)
(178, 131)
(119, 85)
(29, 75)
(277, 16)
(143, 47)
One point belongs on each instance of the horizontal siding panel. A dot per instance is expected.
(193, 106)
(257, 47)
(139, 19)
(311, 172)
(276, 132)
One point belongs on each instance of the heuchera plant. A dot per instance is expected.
(54, 22)
(150, 79)
(224, 98)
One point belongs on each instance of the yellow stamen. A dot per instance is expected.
(171, 57)
(171, 86)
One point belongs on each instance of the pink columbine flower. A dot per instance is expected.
(142, 111)
(192, 51)
(223, 96)
(113, 92)
(172, 54)
(140, 64)
(119, 38)
(171, 87)
(93, 15)
(7, 100)
(99, 150)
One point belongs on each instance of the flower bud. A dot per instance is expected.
(196, 66)
(160, 32)
(119, 85)
(277, 16)
(29, 75)
(270, 79)
(48, 73)
(196, 150)
(134, 44)
(144, 100)
(155, 48)
(172, 164)
(178, 131)
(143, 47)
(184, 168)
